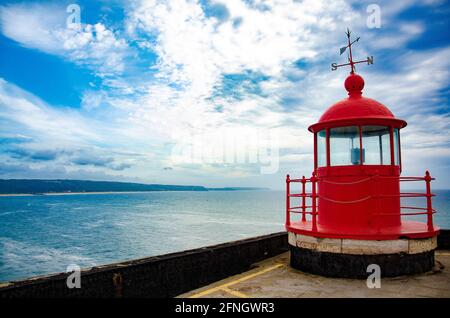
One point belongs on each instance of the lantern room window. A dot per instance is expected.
(322, 148)
(345, 146)
(356, 145)
(396, 147)
(375, 141)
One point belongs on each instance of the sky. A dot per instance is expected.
(214, 93)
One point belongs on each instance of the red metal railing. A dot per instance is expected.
(304, 209)
(313, 208)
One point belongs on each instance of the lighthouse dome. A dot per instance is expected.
(356, 108)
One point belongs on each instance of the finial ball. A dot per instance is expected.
(354, 84)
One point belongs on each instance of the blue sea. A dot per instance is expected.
(44, 234)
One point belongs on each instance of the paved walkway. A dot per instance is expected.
(275, 278)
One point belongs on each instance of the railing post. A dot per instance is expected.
(303, 199)
(314, 202)
(427, 179)
(288, 202)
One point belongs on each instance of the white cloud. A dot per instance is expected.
(61, 139)
(398, 37)
(43, 27)
(195, 52)
(28, 111)
(31, 25)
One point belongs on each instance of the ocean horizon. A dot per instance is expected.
(44, 234)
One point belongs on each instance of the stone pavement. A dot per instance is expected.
(275, 278)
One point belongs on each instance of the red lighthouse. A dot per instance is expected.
(350, 212)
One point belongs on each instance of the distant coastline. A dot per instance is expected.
(116, 192)
(27, 187)
(69, 193)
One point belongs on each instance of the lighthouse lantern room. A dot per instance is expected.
(350, 212)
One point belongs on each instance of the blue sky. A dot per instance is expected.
(119, 96)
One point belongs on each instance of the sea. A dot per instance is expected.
(43, 234)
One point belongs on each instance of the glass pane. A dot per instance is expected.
(396, 147)
(375, 140)
(344, 146)
(321, 148)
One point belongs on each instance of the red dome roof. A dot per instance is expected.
(356, 109)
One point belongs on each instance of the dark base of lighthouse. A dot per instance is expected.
(355, 266)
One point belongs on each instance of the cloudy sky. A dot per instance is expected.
(155, 91)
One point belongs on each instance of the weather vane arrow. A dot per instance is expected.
(335, 66)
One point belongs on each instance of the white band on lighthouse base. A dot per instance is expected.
(362, 247)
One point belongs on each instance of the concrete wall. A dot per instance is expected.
(444, 240)
(160, 276)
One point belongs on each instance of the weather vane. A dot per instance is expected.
(335, 66)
